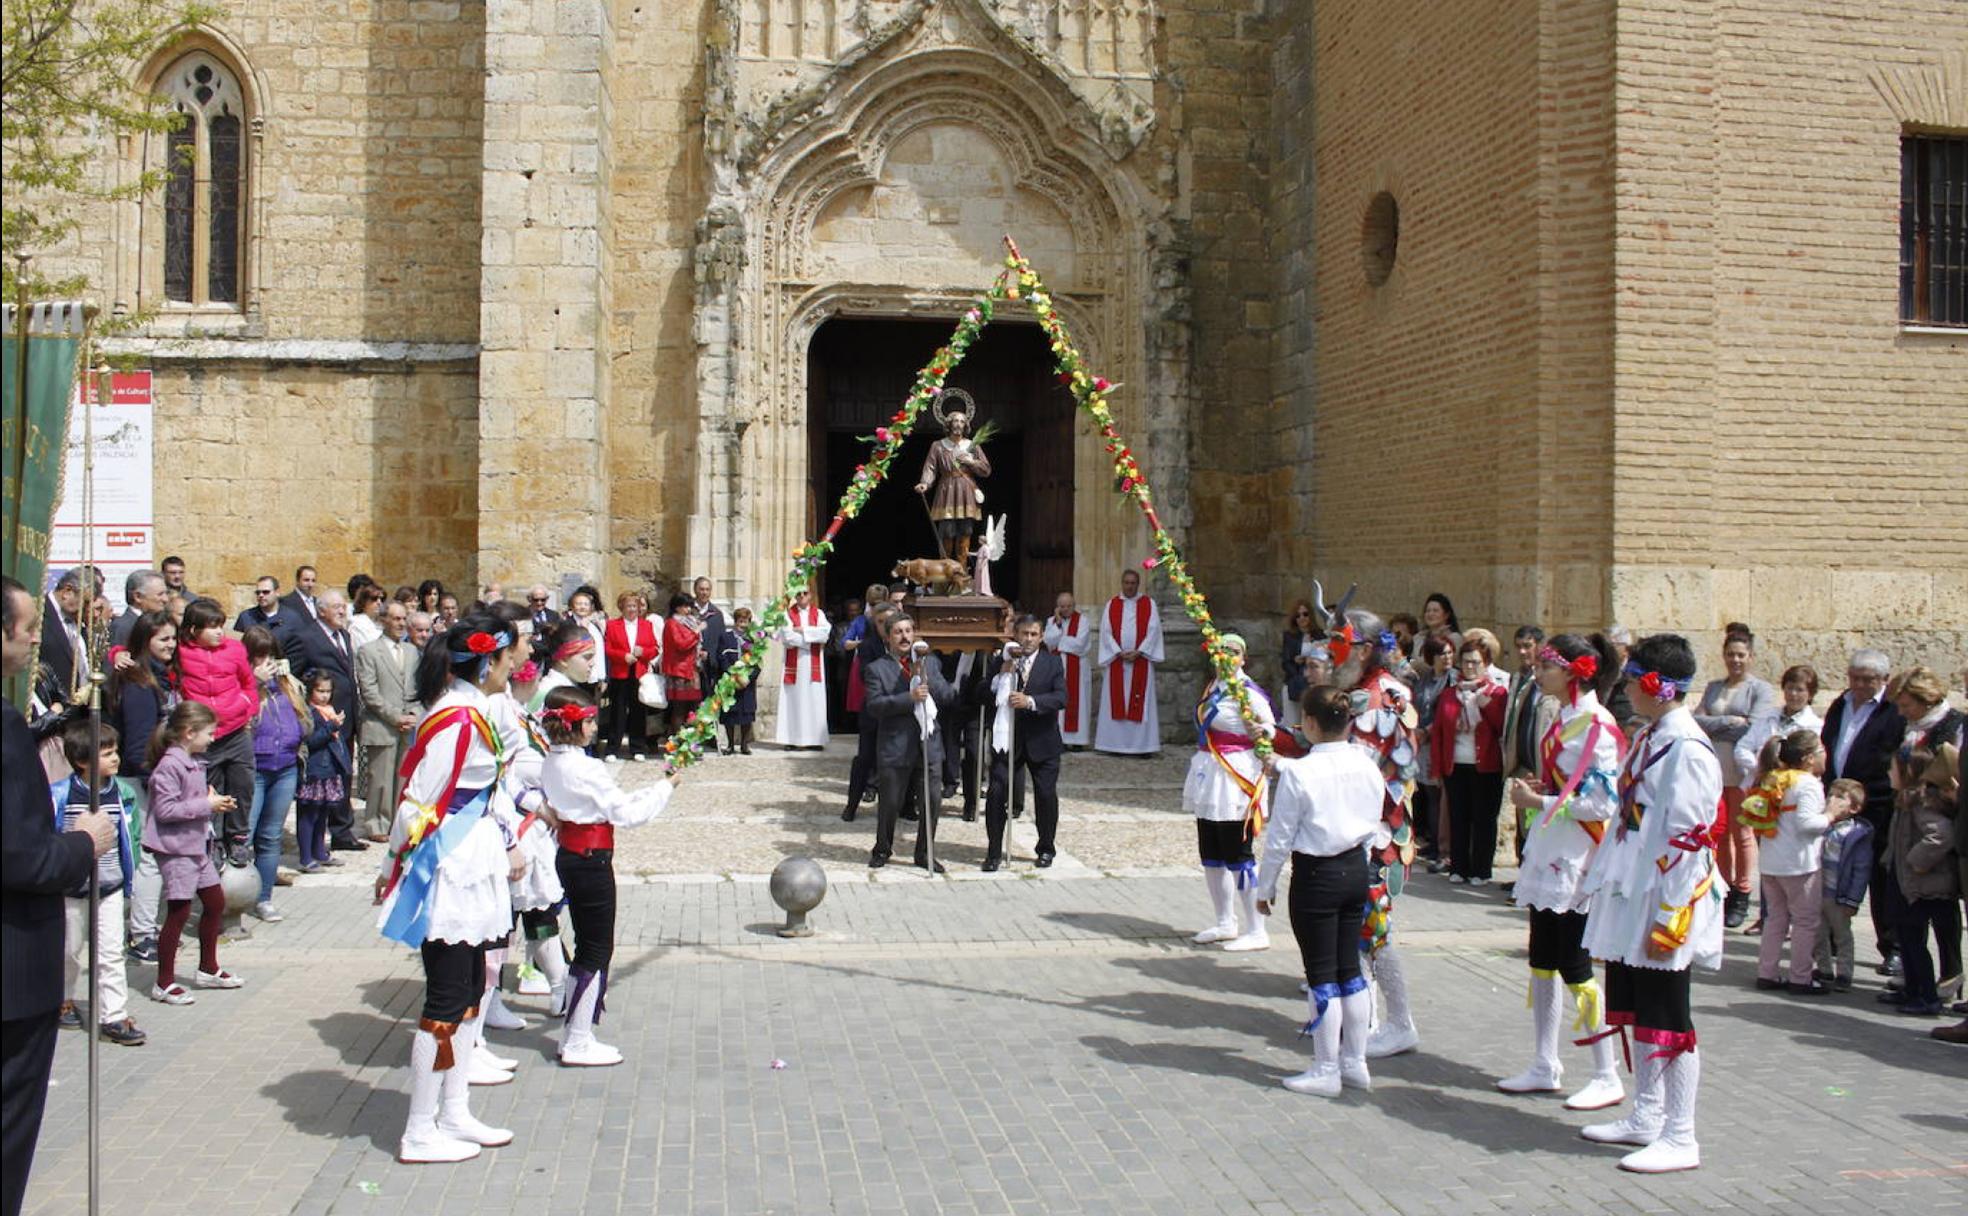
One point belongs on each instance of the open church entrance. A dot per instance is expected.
(860, 371)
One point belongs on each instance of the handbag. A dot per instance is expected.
(651, 690)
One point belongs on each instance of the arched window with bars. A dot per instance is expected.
(203, 209)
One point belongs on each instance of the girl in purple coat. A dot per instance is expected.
(179, 832)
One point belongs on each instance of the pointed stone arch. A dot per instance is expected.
(768, 277)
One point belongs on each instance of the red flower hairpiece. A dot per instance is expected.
(1651, 684)
(573, 715)
(481, 643)
(1584, 668)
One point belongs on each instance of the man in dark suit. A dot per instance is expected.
(37, 864)
(63, 644)
(544, 619)
(1862, 730)
(898, 682)
(715, 627)
(1037, 695)
(301, 600)
(325, 646)
(144, 591)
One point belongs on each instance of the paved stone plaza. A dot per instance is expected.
(1024, 1042)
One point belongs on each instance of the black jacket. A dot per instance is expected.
(1870, 762)
(1036, 730)
(897, 738)
(37, 864)
(309, 650)
(56, 682)
(297, 604)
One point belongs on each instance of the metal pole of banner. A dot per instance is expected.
(94, 987)
(17, 455)
(978, 756)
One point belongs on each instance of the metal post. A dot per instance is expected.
(979, 766)
(95, 664)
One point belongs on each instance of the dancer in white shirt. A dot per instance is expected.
(1657, 906)
(1570, 806)
(802, 719)
(1326, 817)
(1130, 649)
(444, 888)
(1225, 792)
(590, 807)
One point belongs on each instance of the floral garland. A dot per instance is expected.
(1017, 281)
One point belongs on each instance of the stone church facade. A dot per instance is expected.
(1576, 311)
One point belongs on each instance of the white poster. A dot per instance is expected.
(120, 517)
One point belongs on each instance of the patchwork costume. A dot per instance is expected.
(1384, 722)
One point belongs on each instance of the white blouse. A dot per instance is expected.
(1798, 845)
(1325, 803)
(582, 790)
(1559, 848)
(470, 902)
(1211, 793)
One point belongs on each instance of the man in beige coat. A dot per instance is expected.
(385, 677)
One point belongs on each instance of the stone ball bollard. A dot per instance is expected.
(798, 885)
(242, 891)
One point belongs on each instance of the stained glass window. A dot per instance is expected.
(204, 195)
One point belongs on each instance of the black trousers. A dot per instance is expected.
(1045, 798)
(27, 1056)
(627, 731)
(893, 787)
(1328, 901)
(1648, 997)
(454, 979)
(1473, 801)
(1888, 905)
(229, 769)
(960, 763)
(1943, 916)
(1558, 944)
(863, 769)
(589, 881)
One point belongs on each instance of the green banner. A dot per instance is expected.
(37, 382)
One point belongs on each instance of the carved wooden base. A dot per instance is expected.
(961, 622)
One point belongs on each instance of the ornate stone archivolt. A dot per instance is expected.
(872, 185)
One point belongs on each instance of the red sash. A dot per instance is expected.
(585, 838)
(1127, 693)
(475, 723)
(1072, 721)
(792, 652)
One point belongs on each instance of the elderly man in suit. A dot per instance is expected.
(144, 591)
(64, 648)
(905, 686)
(1030, 691)
(37, 864)
(385, 680)
(1862, 729)
(325, 646)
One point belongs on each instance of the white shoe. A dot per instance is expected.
(1629, 1130)
(1214, 934)
(1259, 940)
(591, 1054)
(1353, 1074)
(434, 1148)
(458, 1123)
(217, 979)
(1599, 1093)
(485, 1055)
(1222, 887)
(533, 981)
(1537, 1079)
(481, 1072)
(1663, 1156)
(1392, 1039)
(1320, 1080)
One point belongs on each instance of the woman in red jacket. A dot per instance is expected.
(683, 642)
(214, 671)
(629, 641)
(1465, 750)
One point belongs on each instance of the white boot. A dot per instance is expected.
(454, 1117)
(497, 1016)
(423, 1142)
(1544, 1074)
(1642, 1124)
(1355, 1026)
(1252, 934)
(1322, 1079)
(1604, 1089)
(1222, 889)
(1676, 1148)
(481, 1065)
(1396, 1033)
(552, 962)
(578, 1046)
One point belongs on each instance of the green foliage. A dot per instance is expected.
(66, 96)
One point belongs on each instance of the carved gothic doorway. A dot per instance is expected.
(859, 372)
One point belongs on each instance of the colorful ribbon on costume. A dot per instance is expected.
(413, 884)
(1220, 744)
